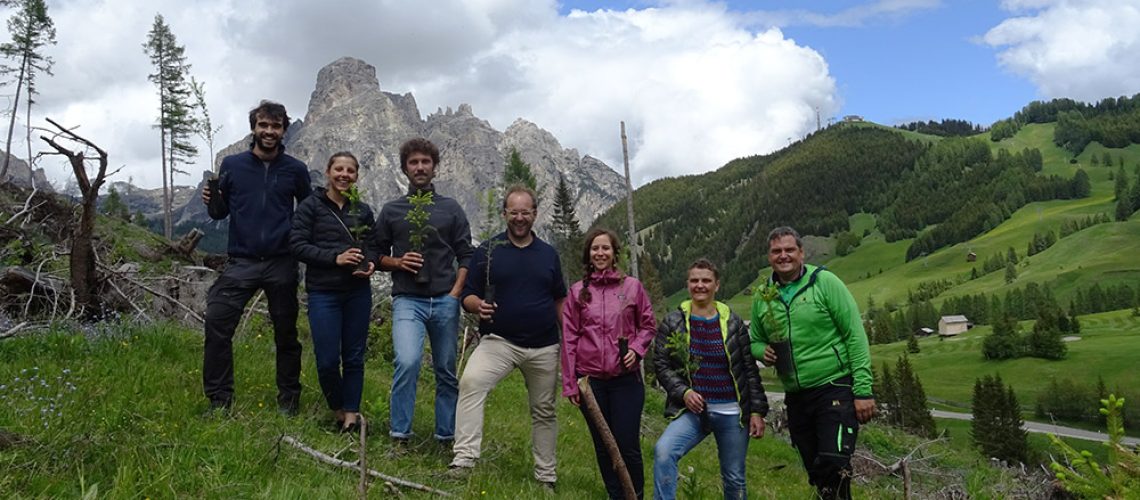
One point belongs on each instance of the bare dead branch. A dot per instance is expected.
(291, 441)
(249, 312)
(154, 292)
(137, 309)
(362, 487)
(27, 205)
(14, 330)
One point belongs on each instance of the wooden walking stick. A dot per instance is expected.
(594, 415)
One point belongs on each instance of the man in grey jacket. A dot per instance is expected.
(430, 304)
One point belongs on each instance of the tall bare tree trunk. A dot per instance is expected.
(12, 123)
(28, 128)
(634, 248)
(82, 259)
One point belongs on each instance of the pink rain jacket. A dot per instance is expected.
(619, 306)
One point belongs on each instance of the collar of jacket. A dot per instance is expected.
(607, 277)
(722, 310)
(280, 150)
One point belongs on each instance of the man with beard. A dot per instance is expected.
(259, 189)
(519, 329)
(425, 291)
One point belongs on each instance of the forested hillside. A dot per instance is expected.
(928, 192)
(725, 215)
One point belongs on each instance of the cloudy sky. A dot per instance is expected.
(697, 82)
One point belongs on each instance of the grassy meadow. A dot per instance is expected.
(1107, 348)
(116, 411)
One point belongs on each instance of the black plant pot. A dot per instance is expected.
(623, 348)
(361, 266)
(489, 294)
(217, 205)
(783, 351)
(423, 275)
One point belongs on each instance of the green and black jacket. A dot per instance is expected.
(822, 323)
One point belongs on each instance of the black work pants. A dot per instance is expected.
(823, 427)
(621, 400)
(224, 304)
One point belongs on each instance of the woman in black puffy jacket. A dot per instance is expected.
(332, 235)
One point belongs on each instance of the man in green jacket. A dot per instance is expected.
(828, 382)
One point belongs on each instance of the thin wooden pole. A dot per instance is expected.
(634, 248)
(594, 415)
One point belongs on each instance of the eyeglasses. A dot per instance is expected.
(521, 213)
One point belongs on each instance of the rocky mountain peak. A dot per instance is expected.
(341, 81)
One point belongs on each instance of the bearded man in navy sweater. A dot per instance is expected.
(259, 189)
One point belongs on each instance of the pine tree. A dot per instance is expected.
(912, 344)
(176, 121)
(114, 206)
(996, 426)
(1013, 442)
(1011, 256)
(888, 396)
(204, 127)
(568, 232)
(31, 29)
(1044, 341)
(492, 222)
(1004, 342)
(1010, 273)
(518, 172)
(1120, 189)
(652, 282)
(915, 414)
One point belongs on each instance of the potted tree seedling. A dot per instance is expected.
(489, 284)
(777, 335)
(217, 205)
(418, 217)
(678, 346)
(358, 229)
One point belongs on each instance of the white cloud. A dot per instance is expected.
(1081, 49)
(695, 84)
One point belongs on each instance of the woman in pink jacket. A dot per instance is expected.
(607, 324)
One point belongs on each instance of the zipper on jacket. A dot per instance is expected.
(788, 313)
(264, 204)
(728, 358)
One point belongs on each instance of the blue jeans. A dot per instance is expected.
(339, 321)
(682, 434)
(412, 317)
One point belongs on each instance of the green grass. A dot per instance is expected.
(133, 426)
(948, 368)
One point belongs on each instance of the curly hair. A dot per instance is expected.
(418, 145)
(269, 109)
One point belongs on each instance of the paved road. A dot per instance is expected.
(1046, 428)
(1029, 426)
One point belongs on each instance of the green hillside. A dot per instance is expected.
(878, 269)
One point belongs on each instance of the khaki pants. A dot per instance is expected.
(491, 361)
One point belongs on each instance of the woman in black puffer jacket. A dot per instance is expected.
(332, 235)
(703, 359)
